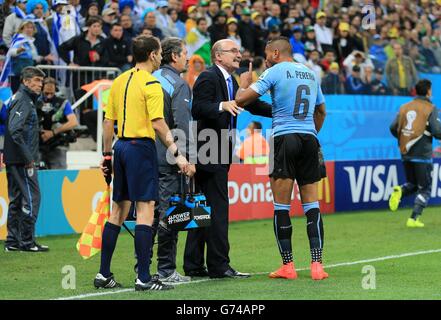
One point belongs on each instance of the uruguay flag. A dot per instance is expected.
(17, 40)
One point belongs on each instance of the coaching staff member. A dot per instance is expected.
(21, 156)
(136, 103)
(415, 126)
(214, 108)
(177, 114)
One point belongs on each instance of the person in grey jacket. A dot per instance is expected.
(21, 158)
(415, 126)
(177, 114)
(13, 21)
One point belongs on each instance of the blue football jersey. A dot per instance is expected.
(295, 92)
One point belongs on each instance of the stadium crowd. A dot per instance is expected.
(355, 47)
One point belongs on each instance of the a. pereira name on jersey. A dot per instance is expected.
(300, 75)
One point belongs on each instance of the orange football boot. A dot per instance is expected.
(317, 272)
(286, 271)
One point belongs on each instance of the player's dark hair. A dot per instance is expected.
(143, 46)
(423, 86)
(282, 44)
(169, 46)
(49, 80)
(116, 24)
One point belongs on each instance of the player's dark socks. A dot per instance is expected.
(143, 246)
(420, 203)
(316, 254)
(283, 231)
(110, 236)
(314, 228)
(408, 189)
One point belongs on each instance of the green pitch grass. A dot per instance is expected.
(349, 237)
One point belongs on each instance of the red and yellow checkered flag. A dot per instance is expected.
(89, 243)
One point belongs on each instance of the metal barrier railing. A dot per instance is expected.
(71, 78)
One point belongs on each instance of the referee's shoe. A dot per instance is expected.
(101, 282)
(154, 284)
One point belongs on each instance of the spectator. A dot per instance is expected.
(218, 30)
(232, 31)
(274, 17)
(274, 32)
(368, 78)
(63, 24)
(296, 41)
(192, 16)
(357, 58)
(379, 57)
(227, 7)
(56, 123)
(196, 65)
(354, 84)
(327, 59)
(126, 7)
(36, 10)
(146, 32)
(13, 21)
(164, 21)
(378, 87)
(212, 11)
(92, 11)
(128, 30)
(149, 20)
(6, 8)
(323, 34)
(247, 30)
(419, 60)
(178, 24)
(331, 82)
(313, 64)
(21, 54)
(427, 52)
(255, 148)
(343, 43)
(436, 48)
(260, 34)
(109, 18)
(310, 41)
(118, 49)
(401, 73)
(199, 42)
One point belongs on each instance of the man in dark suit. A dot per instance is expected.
(215, 110)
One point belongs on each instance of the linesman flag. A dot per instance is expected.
(90, 241)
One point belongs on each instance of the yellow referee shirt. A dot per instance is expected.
(135, 100)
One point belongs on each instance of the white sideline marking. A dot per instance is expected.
(343, 264)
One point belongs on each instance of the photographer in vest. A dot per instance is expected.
(415, 126)
(56, 123)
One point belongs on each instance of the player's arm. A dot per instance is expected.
(435, 124)
(320, 110)
(394, 126)
(248, 93)
(319, 116)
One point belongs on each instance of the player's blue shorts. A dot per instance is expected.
(135, 168)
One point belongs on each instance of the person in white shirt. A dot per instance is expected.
(323, 34)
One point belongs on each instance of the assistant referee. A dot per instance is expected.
(136, 103)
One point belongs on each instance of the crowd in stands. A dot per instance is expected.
(354, 47)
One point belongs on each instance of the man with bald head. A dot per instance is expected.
(298, 115)
(215, 110)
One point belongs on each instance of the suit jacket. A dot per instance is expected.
(208, 91)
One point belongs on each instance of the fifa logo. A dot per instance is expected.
(410, 116)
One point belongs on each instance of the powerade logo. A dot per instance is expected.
(369, 184)
(178, 218)
(203, 217)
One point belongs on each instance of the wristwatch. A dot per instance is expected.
(105, 154)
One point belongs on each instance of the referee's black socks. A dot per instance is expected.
(314, 228)
(110, 236)
(143, 247)
(283, 231)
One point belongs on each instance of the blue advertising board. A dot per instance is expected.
(366, 185)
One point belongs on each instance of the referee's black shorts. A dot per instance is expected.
(295, 156)
(135, 167)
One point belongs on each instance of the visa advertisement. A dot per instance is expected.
(366, 185)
